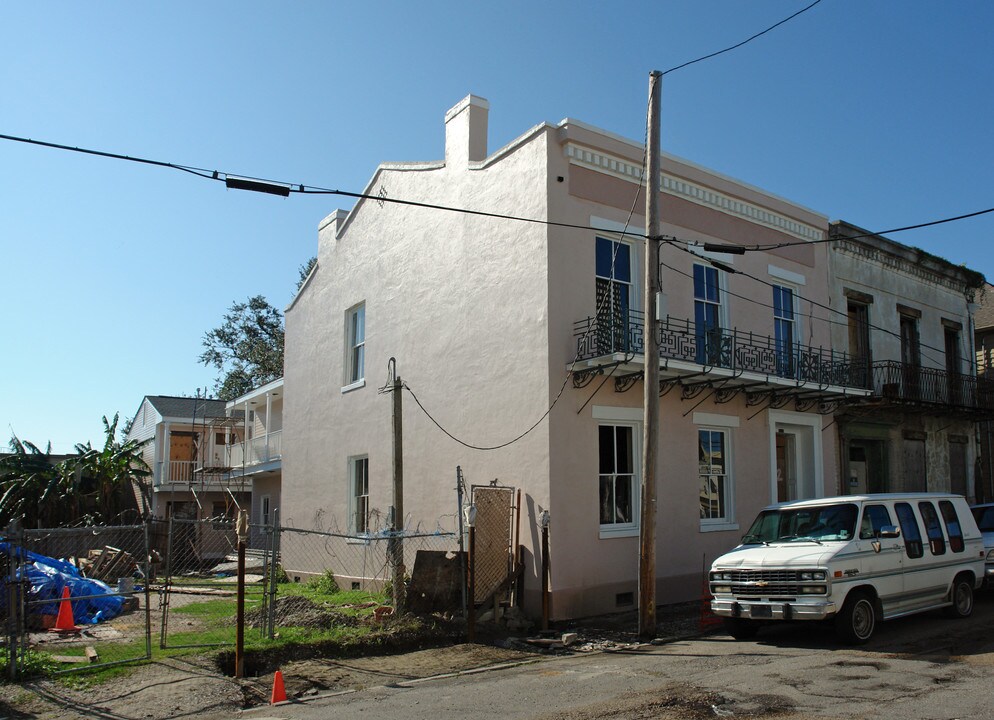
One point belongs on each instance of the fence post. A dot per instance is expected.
(274, 565)
(13, 604)
(165, 584)
(462, 549)
(242, 530)
(148, 584)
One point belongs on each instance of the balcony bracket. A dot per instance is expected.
(582, 378)
(803, 404)
(757, 398)
(666, 385)
(691, 391)
(626, 382)
(725, 394)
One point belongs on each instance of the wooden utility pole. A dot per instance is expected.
(242, 530)
(650, 400)
(399, 589)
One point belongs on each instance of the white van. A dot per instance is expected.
(855, 559)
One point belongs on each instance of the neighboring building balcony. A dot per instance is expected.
(261, 450)
(725, 361)
(930, 389)
(185, 474)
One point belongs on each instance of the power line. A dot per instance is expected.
(747, 40)
(275, 186)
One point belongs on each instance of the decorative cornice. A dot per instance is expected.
(897, 264)
(672, 185)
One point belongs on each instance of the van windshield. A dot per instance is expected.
(984, 515)
(818, 523)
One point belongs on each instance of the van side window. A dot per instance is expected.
(936, 542)
(874, 518)
(910, 530)
(953, 529)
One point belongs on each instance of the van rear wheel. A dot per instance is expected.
(962, 597)
(741, 629)
(858, 619)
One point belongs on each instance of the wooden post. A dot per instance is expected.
(471, 574)
(399, 589)
(242, 530)
(650, 399)
(545, 570)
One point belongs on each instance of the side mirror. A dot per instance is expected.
(890, 531)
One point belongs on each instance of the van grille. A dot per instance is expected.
(765, 582)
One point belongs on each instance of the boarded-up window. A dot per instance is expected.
(914, 479)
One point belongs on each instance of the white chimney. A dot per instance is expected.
(466, 132)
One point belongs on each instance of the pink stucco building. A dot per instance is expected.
(493, 321)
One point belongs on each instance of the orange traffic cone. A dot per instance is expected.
(279, 692)
(65, 623)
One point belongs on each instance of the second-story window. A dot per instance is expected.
(355, 344)
(614, 291)
(859, 342)
(784, 329)
(707, 315)
(911, 358)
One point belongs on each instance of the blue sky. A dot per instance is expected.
(879, 113)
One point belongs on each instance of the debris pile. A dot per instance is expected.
(299, 611)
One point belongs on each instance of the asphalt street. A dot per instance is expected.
(924, 667)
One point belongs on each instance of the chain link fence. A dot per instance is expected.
(179, 578)
(351, 573)
(80, 595)
(198, 595)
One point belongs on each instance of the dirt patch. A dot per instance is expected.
(402, 652)
(299, 611)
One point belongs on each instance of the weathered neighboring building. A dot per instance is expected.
(906, 318)
(984, 343)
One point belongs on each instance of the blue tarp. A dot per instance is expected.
(47, 576)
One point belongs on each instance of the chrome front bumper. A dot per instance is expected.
(764, 610)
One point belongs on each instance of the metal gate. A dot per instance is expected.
(493, 560)
(79, 595)
(198, 595)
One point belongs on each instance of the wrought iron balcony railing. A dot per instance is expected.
(732, 350)
(738, 351)
(916, 385)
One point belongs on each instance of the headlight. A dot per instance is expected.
(813, 589)
(990, 556)
(813, 575)
(722, 589)
(719, 576)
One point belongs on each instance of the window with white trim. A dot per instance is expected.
(708, 315)
(355, 344)
(714, 476)
(617, 477)
(784, 328)
(614, 286)
(359, 494)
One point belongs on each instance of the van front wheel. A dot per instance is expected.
(856, 622)
(962, 597)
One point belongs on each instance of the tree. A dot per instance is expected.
(247, 348)
(105, 479)
(304, 271)
(94, 485)
(32, 485)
